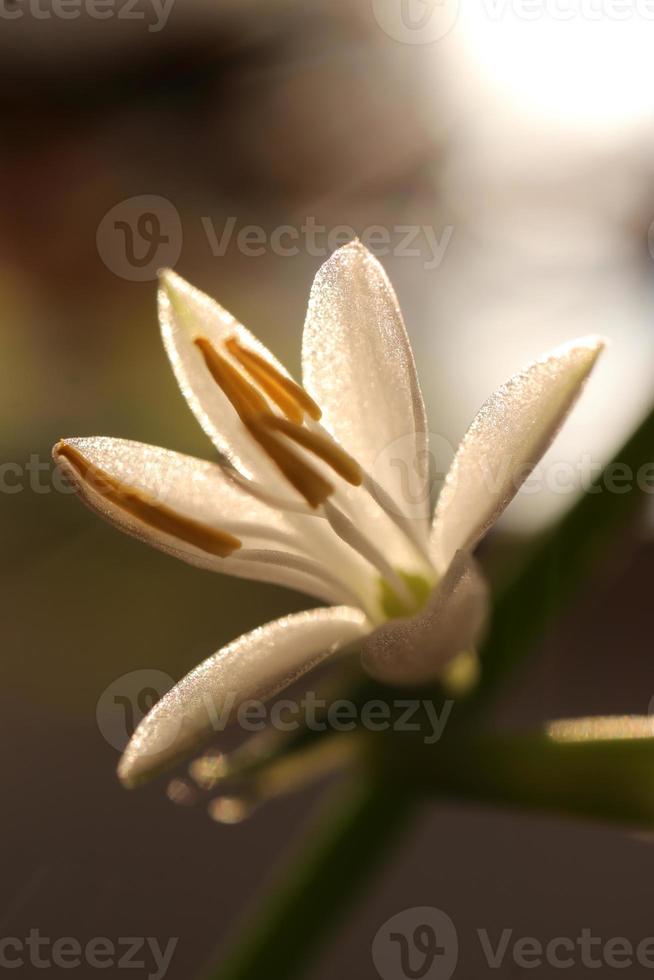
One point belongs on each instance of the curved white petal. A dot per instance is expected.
(505, 441)
(271, 549)
(295, 571)
(256, 666)
(185, 314)
(415, 650)
(358, 365)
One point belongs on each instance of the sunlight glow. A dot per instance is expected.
(584, 63)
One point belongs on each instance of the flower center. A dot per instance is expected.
(283, 419)
(418, 589)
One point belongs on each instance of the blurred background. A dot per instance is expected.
(498, 157)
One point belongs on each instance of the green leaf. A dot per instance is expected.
(593, 768)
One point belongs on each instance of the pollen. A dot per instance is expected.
(148, 511)
(289, 396)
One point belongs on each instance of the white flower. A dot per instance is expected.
(293, 499)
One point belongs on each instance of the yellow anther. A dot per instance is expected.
(289, 396)
(320, 445)
(307, 481)
(244, 396)
(143, 508)
(266, 427)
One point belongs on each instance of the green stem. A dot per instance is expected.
(313, 895)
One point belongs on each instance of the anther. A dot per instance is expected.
(320, 445)
(143, 508)
(289, 396)
(257, 417)
(243, 395)
(306, 480)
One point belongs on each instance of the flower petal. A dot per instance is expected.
(195, 496)
(505, 441)
(186, 315)
(254, 667)
(415, 650)
(358, 366)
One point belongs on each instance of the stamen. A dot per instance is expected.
(320, 445)
(260, 492)
(155, 515)
(289, 396)
(307, 481)
(253, 411)
(410, 528)
(340, 591)
(244, 396)
(349, 533)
